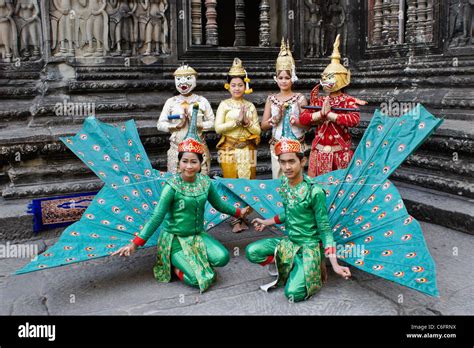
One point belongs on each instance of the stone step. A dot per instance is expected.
(436, 62)
(453, 184)
(424, 204)
(27, 91)
(438, 207)
(48, 172)
(457, 165)
(47, 179)
(452, 139)
(11, 193)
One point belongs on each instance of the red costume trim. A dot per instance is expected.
(267, 261)
(237, 212)
(330, 250)
(277, 219)
(138, 241)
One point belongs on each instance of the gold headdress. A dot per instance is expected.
(341, 75)
(285, 60)
(237, 69)
(185, 70)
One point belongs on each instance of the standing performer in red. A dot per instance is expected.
(331, 148)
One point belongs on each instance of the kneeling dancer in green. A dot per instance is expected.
(182, 242)
(297, 257)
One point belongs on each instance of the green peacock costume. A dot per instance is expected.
(297, 256)
(348, 208)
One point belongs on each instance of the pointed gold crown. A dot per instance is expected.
(185, 70)
(335, 66)
(237, 69)
(285, 59)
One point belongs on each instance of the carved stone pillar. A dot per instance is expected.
(393, 27)
(196, 26)
(421, 20)
(212, 37)
(239, 26)
(386, 13)
(429, 21)
(410, 35)
(264, 24)
(378, 23)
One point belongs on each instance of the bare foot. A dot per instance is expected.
(243, 226)
(237, 228)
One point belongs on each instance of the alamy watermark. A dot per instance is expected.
(74, 109)
(397, 108)
(20, 251)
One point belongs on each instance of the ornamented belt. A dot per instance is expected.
(328, 148)
(237, 143)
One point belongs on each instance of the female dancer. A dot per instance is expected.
(273, 113)
(237, 122)
(183, 242)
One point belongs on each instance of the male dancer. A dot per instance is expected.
(298, 256)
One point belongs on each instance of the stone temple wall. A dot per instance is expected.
(62, 60)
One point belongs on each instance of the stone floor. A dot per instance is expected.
(118, 286)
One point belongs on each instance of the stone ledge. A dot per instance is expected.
(454, 184)
(424, 204)
(438, 207)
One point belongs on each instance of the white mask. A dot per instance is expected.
(185, 84)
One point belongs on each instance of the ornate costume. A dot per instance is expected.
(174, 117)
(182, 242)
(237, 146)
(331, 147)
(366, 216)
(297, 257)
(285, 62)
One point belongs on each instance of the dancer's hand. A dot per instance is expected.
(259, 224)
(126, 250)
(326, 107)
(245, 120)
(184, 120)
(342, 271)
(275, 120)
(332, 116)
(243, 111)
(316, 117)
(360, 101)
(272, 122)
(293, 120)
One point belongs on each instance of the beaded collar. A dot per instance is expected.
(193, 189)
(290, 100)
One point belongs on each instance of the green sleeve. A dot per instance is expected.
(321, 215)
(216, 201)
(281, 217)
(163, 207)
